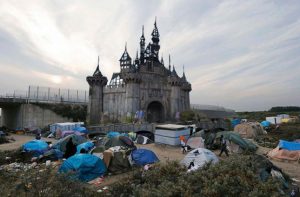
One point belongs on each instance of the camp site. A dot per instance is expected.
(105, 163)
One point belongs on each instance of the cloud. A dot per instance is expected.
(242, 55)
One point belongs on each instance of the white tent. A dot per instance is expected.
(199, 157)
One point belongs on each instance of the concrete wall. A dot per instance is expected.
(30, 116)
(114, 102)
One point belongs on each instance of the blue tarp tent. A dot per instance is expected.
(113, 134)
(86, 145)
(84, 167)
(235, 122)
(37, 146)
(81, 129)
(265, 123)
(289, 145)
(142, 157)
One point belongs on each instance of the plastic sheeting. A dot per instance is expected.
(289, 145)
(195, 142)
(84, 167)
(142, 157)
(86, 146)
(265, 123)
(37, 146)
(81, 129)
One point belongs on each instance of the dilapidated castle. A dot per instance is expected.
(142, 84)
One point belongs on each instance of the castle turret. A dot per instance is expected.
(125, 61)
(95, 105)
(185, 89)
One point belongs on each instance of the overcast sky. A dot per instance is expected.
(243, 55)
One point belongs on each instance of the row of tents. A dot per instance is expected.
(118, 153)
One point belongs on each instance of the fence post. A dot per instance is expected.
(48, 94)
(77, 96)
(37, 94)
(68, 95)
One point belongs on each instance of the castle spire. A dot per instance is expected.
(97, 71)
(155, 33)
(183, 75)
(169, 62)
(162, 60)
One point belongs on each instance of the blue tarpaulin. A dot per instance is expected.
(265, 123)
(235, 122)
(81, 129)
(86, 146)
(142, 157)
(37, 146)
(113, 134)
(84, 167)
(289, 145)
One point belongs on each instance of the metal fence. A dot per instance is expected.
(123, 127)
(47, 94)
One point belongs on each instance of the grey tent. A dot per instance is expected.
(143, 140)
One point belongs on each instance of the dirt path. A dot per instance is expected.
(19, 141)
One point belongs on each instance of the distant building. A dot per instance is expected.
(143, 84)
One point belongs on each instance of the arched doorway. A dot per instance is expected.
(155, 112)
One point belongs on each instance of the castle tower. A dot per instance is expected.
(175, 83)
(95, 105)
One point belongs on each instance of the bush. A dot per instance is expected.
(237, 176)
(44, 182)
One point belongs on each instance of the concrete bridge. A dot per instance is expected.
(27, 109)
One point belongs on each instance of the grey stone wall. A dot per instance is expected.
(30, 116)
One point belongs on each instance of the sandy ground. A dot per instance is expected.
(164, 153)
(19, 141)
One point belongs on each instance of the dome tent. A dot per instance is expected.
(61, 144)
(142, 157)
(143, 140)
(200, 157)
(249, 129)
(119, 141)
(86, 167)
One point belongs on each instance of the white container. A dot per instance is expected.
(169, 134)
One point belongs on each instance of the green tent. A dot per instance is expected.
(237, 139)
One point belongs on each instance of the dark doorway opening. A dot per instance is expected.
(155, 112)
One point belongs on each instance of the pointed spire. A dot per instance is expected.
(183, 75)
(155, 34)
(162, 60)
(137, 54)
(142, 36)
(97, 71)
(174, 73)
(125, 56)
(169, 62)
